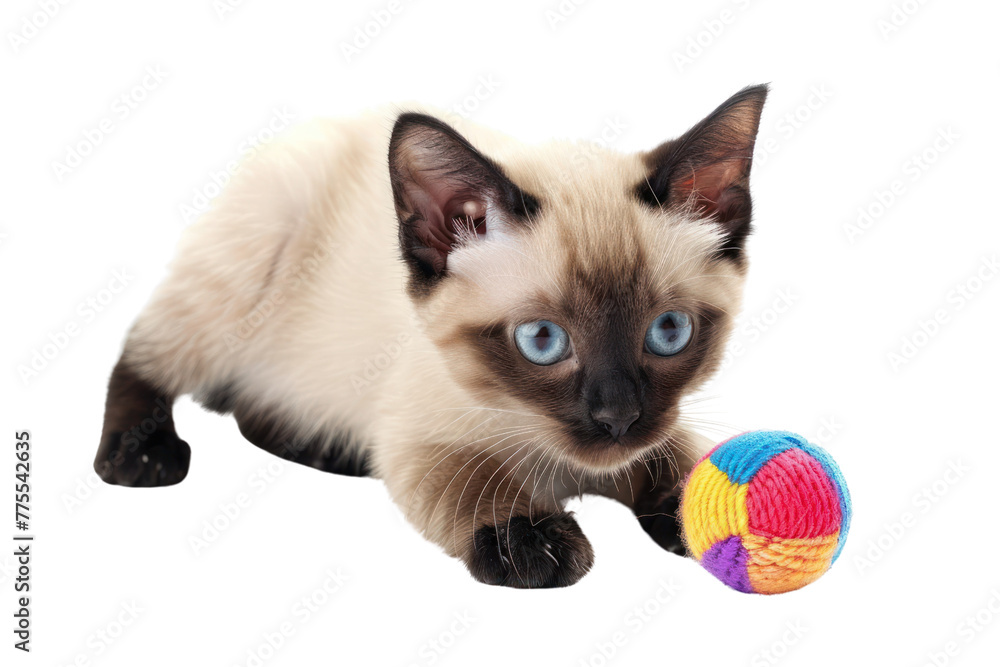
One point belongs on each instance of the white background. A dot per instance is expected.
(856, 101)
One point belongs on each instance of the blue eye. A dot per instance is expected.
(669, 333)
(541, 342)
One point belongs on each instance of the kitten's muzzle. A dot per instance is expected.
(614, 403)
(615, 424)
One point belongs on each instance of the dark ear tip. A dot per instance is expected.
(756, 94)
(409, 120)
(412, 117)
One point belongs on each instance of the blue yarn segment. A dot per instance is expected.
(744, 455)
(832, 471)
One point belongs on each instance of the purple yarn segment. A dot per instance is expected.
(727, 560)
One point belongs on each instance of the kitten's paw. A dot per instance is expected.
(160, 460)
(663, 523)
(550, 553)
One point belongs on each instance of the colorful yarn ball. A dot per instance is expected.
(766, 512)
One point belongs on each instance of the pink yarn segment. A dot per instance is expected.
(791, 496)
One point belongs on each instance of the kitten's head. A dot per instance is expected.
(590, 288)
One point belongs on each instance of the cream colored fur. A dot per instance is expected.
(292, 289)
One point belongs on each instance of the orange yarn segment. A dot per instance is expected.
(779, 565)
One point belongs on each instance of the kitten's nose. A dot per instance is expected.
(615, 424)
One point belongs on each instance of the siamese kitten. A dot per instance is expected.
(488, 327)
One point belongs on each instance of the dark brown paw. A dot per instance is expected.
(662, 522)
(550, 553)
(161, 459)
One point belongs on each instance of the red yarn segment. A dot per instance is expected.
(792, 496)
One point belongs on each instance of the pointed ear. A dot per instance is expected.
(446, 192)
(708, 168)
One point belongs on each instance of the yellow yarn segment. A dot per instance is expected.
(714, 508)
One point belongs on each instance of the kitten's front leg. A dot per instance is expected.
(490, 508)
(658, 483)
(658, 509)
